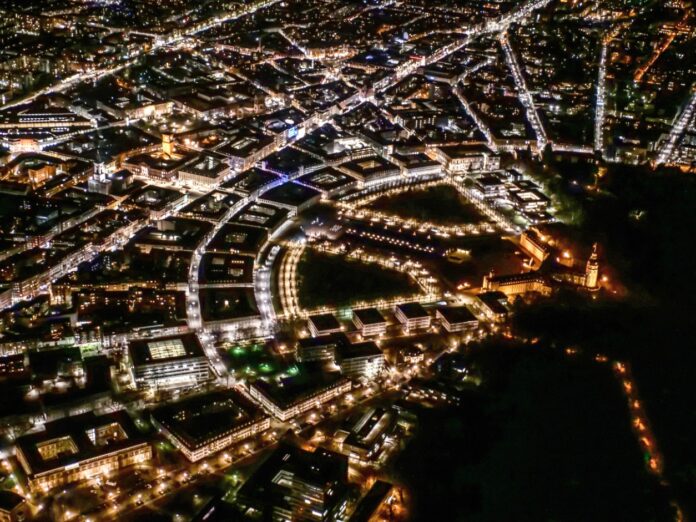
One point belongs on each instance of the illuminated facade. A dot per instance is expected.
(592, 270)
(370, 322)
(80, 448)
(168, 362)
(412, 316)
(284, 407)
(298, 485)
(206, 424)
(360, 360)
(516, 284)
(533, 245)
(457, 319)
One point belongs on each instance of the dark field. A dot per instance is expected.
(547, 439)
(441, 205)
(335, 281)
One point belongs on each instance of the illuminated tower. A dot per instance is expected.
(592, 270)
(487, 285)
(167, 145)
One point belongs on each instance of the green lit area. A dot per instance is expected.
(253, 360)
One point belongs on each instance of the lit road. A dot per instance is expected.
(524, 94)
(678, 129)
(287, 281)
(601, 101)
(160, 43)
(479, 122)
(262, 288)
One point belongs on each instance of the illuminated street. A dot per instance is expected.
(346, 261)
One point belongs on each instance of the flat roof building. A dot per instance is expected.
(323, 324)
(370, 322)
(360, 360)
(367, 433)
(322, 348)
(289, 397)
(493, 305)
(168, 362)
(205, 424)
(13, 507)
(80, 448)
(457, 318)
(298, 485)
(369, 508)
(206, 171)
(412, 316)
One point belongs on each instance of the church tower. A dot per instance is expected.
(592, 270)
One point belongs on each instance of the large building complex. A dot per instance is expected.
(206, 424)
(79, 448)
(168, 362)
(293, 484)
(292, 396)
(365, 436)
(231, 229)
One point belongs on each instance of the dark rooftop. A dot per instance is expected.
(76, 428)
(199, 419)
(412, 310)
(324, 322)
(369, 316)
(456, 314)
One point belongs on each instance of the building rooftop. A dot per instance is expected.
(288, 391)
(165, 349)
(413, 310)
(369, 316)
(368, 505)
(9, 500)
(198, 420)
(354, 351)
(496, 301)
(70, 440)
(323, 340)
(323, 469)
(324, 322)
(456, 314)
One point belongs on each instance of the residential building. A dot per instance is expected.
(205, 424)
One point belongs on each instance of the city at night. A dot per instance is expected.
(347, 260)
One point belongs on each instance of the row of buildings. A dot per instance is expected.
(370, 322)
